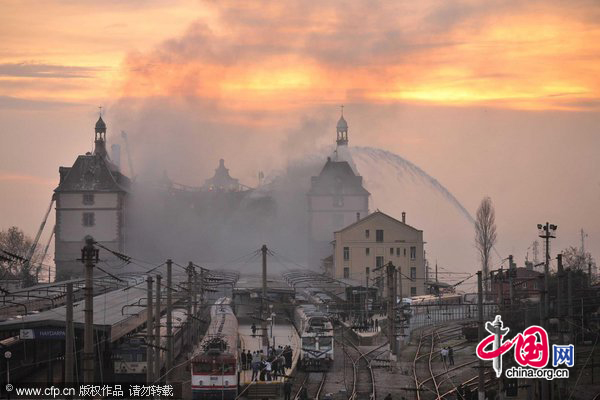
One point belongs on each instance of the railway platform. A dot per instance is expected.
(283, 334)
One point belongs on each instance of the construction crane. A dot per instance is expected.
(39, 233)
(124, 136)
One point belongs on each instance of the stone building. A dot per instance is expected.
(361, 249)
(90, 201)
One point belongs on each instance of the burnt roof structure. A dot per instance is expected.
(221, 180)
(337, 177)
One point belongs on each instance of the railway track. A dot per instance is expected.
(363, 375)
(312, 385)
(432, 384)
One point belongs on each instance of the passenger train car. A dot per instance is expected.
(215, 363)
(130, 363)
(417, 304)
(316, 334)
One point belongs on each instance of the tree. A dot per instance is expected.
(13, 262)
(485, 235)
(574, 258)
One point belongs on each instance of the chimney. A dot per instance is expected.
(357, 216)
(403, 217)
(115, 155)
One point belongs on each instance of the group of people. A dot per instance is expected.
(447, 354)
(267, 367)
(368, 325)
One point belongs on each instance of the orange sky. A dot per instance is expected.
(498, 98)
(522, 55)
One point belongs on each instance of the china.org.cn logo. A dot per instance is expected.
(531, 350)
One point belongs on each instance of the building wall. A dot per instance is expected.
(398, 237)
(325, 218)
(71, 231)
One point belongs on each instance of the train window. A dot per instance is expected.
(325, 343)
(309, 343)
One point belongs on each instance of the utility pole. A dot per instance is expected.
(195, 309)
(400, 295)
(263, 320)
(149, 334)
(169, 320)
(511, 271)
(481, 378)
(366, 309)
(157, 331)
(559, 297)
(570, 304)
(190, 319)
(546, 232)
(89, 254)
(69, 336)
(390, 308)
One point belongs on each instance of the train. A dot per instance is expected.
(214, 365)
(316, 334)
(433, 300)
(130, 362)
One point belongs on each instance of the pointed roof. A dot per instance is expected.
(100, 125)
(337, 177)
(92, 173)
(342, 125)
(221, 180)
(377, 214)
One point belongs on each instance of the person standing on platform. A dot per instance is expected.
(287, 389)
(253, 329)
(268, 369)
(288, 357)
(451, 355)
(243, 358)
(376, 325)
(248, 360)
(255, 366)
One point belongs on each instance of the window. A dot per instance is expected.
(338, 201)
(88, 199)
(413, 291)
(89, 219)
(378, 261)
(346, 273)
(413, 273)
(379, 235)
(405, 252)
(367, 270)
(397, 251)
(413, 253)
(346, 253)
(367, 251)
(367, 233)
(391, 251)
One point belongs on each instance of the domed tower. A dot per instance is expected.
(342, 130)
(100, 138)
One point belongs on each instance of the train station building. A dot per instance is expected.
(361, 249)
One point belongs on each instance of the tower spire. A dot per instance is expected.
(100, 135)
(342, 129)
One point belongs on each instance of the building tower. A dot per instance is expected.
(336, 198)
(90, 201)
(342, 131)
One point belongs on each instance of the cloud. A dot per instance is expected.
(38, 70)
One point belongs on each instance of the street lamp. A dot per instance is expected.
(546, 232)
(7, 355)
